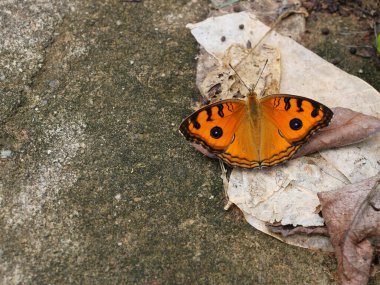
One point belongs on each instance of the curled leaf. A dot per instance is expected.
(288, 230)
(352, 217)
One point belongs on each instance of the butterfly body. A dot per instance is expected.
(256, 132)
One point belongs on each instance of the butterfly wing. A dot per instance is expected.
(225, 129)
(214, 125)
(244, 150)
(287, 123)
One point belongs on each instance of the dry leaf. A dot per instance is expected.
(240, 68)
(288, 193)
(352, 215)
(287, 230)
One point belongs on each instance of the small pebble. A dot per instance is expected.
(360, 71)
(223, 38)
(241, 26)
(374, 13)
(5, 153)
(353, 50)
(335, 61)
(237, 9)
(343, 12)
(332, 8)
(325, 31)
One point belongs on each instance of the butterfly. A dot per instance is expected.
(256, 132)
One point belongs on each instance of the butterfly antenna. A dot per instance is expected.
(246, 86)
(261, 73)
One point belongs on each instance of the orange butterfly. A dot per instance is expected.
(256, 132)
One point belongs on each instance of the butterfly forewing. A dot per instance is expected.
(296, 118)
(214, 126)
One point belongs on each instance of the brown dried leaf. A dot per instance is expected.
(289, 230)
(223, 82)
(347, 127)
(352, 216)
(366, 52)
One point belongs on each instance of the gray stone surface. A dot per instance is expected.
(99, 187)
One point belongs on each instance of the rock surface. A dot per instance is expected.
(100, 187)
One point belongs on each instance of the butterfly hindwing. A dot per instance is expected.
(274, 148)
(244, 150)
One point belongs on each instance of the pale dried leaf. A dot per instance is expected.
(286, 193)
(223, 82)
(306, 74)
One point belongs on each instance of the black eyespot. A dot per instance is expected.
(216, 132)
(295, 124)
